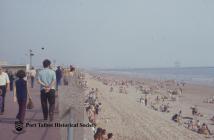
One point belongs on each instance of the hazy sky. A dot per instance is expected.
(109, 33)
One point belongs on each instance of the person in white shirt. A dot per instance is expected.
(32, 76)
(4, 86)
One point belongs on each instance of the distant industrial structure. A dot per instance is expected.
(177, 64)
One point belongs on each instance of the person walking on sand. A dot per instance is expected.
(20, 94)
(47, 80)
(146, 100)
(4, 86)
(32, 76)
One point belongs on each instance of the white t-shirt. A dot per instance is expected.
(4, 79)
(33, 73)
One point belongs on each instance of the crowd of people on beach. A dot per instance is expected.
(151, 98)
(192, 124)
(93, 107)
(209, 100)
(121, 85)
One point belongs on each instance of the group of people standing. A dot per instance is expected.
(48, 79)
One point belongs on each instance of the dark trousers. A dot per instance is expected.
(22, 109)
(3, 88)
(58, 83)
(11, 85)
(32, 81)
(45, 99)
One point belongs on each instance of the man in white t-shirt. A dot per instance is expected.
(4, 86)
(32, 76)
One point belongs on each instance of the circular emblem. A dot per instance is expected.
(18, 126)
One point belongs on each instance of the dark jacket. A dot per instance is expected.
(21, 89)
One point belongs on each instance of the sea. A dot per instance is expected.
(194, 75)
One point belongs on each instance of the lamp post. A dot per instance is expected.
(31, 54)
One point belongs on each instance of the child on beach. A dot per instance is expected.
(91, 114)
(20, 94)
(98, 134)
(110, 136)
(103, 133)
(1, 100)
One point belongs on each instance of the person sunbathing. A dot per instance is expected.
(164, 108)
(177, 118)
(154, 106)
(195, 111)
(212, 119)
(190, 125)
(194, 125)
(197, 124)
(204, 130)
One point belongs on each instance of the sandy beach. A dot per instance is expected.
(128, 119)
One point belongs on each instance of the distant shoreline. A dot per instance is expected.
(197, 76)
(137, 68)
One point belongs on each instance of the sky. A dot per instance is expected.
(108, 33)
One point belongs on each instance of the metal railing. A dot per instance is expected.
(70, 130)
(73, 110)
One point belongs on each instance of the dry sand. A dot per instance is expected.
(127, 119)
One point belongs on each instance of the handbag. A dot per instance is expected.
(30, 104)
